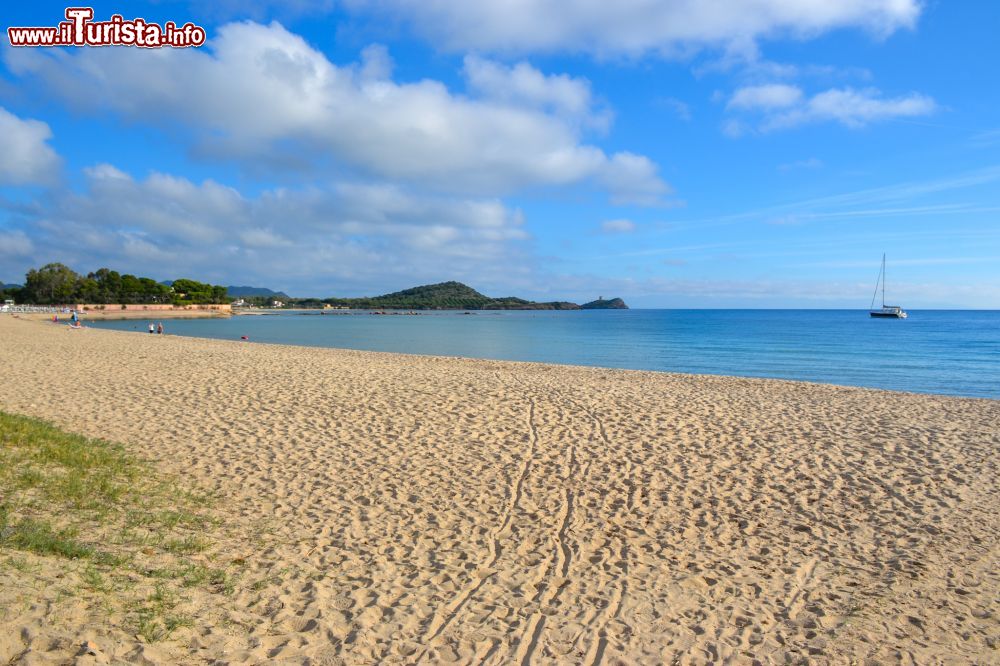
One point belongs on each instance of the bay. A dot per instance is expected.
(934, 351)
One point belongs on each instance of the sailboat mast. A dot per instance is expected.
(883, 279)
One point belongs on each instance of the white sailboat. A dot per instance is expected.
(887, 311)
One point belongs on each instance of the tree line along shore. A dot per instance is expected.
(57, 284)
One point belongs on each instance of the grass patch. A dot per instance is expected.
(197, 575)
(153, 625)
(60, 467)
(38, 536)
(113, 525)
(93, 579)
(187, 546)
(156, 618)
(21, 564)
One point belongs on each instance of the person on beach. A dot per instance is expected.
(151, 327)
(159, 328)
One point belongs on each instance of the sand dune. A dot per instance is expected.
(438, 510)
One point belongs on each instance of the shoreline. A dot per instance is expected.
(583, 366)
(464, 509)
(100, 315)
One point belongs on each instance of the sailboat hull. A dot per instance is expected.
(886, 311)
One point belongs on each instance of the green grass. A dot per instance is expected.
(21, 564)
(93, 579)
(48, 465)
(186, 546)
(113, 524)
(40, 537)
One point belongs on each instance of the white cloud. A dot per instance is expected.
(105, 171)
(746, 60)
(264, 238)
(522, 84)
(633, 27)
(633, 179)
(218, 11)
(856, 108)
(619, 226)
(770, 96)
(15, 243)
(262, 94)
(376, 63)
(170, 208)
(136, 250)
(345, 233)
(387, 204)
(25, 156)
(781, 106)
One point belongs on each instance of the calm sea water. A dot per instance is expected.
(949, 352)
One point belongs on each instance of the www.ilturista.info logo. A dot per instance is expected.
(80, 30)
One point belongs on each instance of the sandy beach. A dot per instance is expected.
(443, 510)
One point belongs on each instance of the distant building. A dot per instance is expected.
(277, 304)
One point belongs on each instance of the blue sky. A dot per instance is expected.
(745, 154)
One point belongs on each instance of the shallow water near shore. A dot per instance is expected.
(934, 351)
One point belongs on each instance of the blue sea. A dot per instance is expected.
(934, 351)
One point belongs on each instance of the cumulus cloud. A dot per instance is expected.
(633, 179)
(781, 106)
(770, 96)
(343, 233)
(619, 226)
(633, 27)
(26, 158)
(522, 84)
(169, 208)
(262, 93)
(376, 63)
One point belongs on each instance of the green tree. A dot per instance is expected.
(153, 291)
(191, 291)
(52, 283)
(87, 291)
(109, 283)
(130, 290)
(15, 294)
